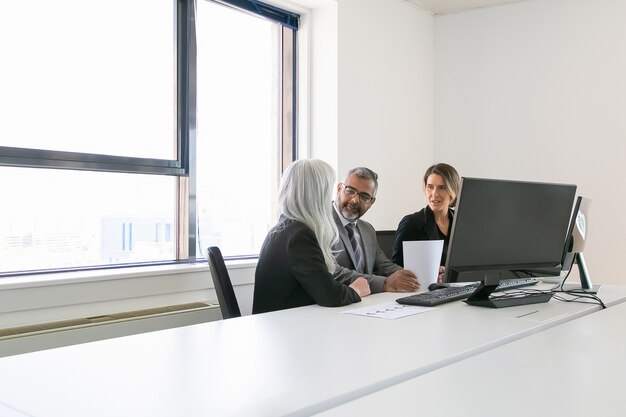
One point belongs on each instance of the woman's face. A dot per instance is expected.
(437, 194)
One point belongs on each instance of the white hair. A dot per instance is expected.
(305, 195)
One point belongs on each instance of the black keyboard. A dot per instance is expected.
(445, 295)
(440, 296)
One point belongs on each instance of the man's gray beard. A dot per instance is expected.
(348, 215)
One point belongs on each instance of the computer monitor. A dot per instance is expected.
(575, 245)
(506, 229)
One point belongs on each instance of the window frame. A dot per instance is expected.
(184, 166)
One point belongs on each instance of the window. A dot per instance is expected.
(70, 83)
(147, 143)
(61, 218)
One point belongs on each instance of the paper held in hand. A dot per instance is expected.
(422, 257)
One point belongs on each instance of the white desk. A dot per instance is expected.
(575, 369)
(293, 362)
(7, 411)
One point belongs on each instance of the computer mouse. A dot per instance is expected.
(436, 286)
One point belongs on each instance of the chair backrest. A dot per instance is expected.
(223, 287)
(386, 239)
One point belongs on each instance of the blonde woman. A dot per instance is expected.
(434, 222)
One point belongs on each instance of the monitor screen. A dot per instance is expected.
(507, 229)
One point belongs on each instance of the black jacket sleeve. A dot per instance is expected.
(411, 227)
(306, 262)
(291, 272)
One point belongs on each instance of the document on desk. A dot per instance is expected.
(422, 257)
(388, 311)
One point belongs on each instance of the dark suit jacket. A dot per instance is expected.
(420, 226)
(377, 266)
(291, 272)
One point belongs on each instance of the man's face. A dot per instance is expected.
(351, 195)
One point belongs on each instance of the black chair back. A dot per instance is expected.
(223, 287)
(386, 239)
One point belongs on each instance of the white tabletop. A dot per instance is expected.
(292, 362)
(8, 411)
(575, 369)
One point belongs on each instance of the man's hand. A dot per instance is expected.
(401, 280)
(442, 270)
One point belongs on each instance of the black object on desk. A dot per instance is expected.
(506, 229)
(447, 294)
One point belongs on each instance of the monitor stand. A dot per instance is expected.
(585, 286)
(482, 297)
(578, 288)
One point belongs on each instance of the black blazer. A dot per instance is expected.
(420, 226)
(291, 272)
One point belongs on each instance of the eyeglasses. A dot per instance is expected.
(353, 192)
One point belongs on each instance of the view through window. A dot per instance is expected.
(238, 118)
(91, 149)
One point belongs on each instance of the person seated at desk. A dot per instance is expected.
(296, 261)
(433, 222)
(358, 252)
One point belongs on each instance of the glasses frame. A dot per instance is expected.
(364, 197)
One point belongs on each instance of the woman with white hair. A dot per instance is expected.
(296, 261)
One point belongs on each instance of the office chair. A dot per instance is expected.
(386, 239)
(223, 287)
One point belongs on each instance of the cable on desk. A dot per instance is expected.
(580, 295)
(563, 281)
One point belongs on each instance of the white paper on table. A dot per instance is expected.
(422, 257)
(388, 311)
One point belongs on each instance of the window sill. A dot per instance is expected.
(74, 277)
(43, 298)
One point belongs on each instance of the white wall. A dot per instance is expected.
(320, 141)
(385, 100)
(537, 91)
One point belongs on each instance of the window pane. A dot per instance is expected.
(237, 138)
(88, 76)
(59, 219)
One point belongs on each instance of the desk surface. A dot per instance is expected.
(292, 362)
(575, 369)
(7, 411)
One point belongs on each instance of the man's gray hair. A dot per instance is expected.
(365, 173)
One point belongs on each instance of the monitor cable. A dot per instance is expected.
(580, 295)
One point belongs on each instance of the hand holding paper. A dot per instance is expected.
(401, 280)
(422, 257)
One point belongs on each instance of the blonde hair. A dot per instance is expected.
(305, 195)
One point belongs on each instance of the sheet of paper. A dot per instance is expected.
(388, 311)
(422, 257)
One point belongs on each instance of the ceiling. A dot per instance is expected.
(450, 6)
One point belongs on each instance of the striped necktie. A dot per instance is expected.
(354, 240)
